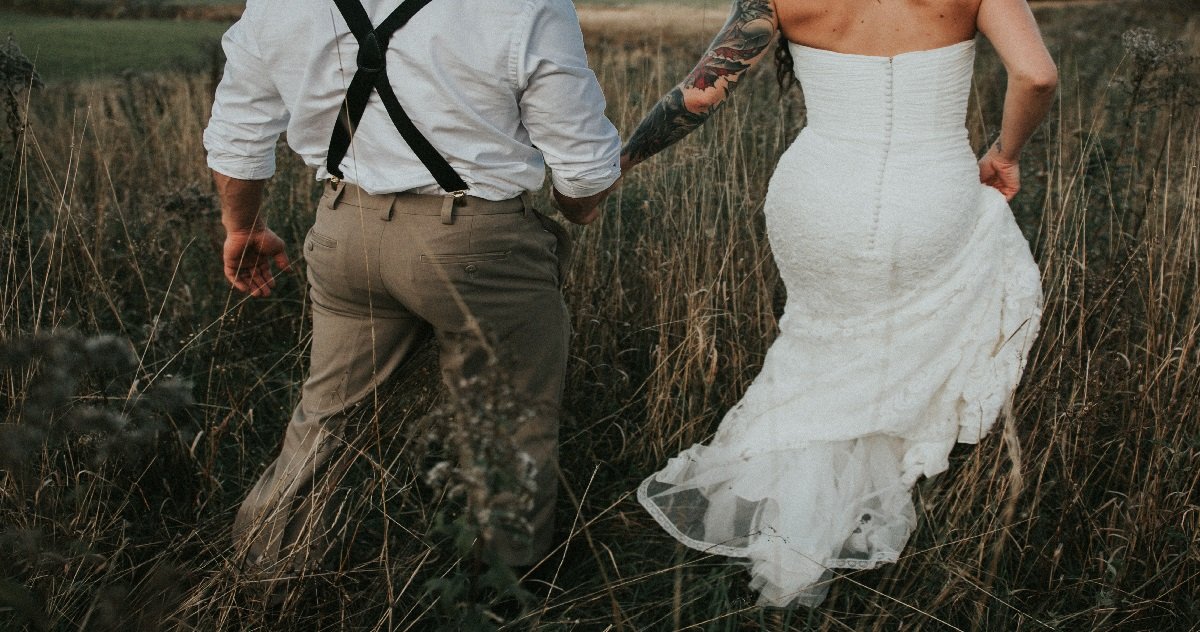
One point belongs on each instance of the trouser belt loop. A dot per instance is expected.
(385, 213)
(448, 208)
(527, 202)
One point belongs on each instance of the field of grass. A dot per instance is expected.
(121, 463)
(73, 48)
(66, 49)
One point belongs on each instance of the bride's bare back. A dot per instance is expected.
(865, 27)
(877, 27)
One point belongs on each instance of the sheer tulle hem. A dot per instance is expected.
(791, 516)
(771, 594)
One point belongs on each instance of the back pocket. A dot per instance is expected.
(318, 239)
(478, 257)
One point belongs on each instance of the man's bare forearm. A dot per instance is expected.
(582, 210)
(241, 202)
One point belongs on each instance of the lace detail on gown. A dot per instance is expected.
(913, 301)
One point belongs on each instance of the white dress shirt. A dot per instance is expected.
(500, 87)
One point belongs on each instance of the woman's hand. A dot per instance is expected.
(1000, 173)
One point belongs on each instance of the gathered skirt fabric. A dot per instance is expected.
(886, 357)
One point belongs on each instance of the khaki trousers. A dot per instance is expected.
(385, 272)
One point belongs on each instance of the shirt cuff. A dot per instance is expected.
(581, 187)
(242, 167)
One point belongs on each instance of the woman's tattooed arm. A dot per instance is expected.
(743, 41)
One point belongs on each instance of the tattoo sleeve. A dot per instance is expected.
(742, 42)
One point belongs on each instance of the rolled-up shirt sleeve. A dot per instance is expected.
(562, 106)
(248, 113)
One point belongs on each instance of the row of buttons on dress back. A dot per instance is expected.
(887, 147)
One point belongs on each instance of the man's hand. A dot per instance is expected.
(248, 255)
(250, 247)
(583, 211)
(1000, 173)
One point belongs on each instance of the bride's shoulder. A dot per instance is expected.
(872, 27)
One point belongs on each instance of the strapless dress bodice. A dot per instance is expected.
(911, 97)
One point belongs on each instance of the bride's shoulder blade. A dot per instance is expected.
(873, 28)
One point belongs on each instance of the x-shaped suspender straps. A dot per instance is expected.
(372, 76)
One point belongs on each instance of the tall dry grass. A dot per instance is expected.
(1082, 514)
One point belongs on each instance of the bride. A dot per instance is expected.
(912, 297)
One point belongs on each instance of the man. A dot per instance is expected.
(424, 226)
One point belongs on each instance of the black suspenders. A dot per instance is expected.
(372, 76)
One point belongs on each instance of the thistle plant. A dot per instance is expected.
(1161, 73)
(16, 74)
(77, 414)
(1148, 51)
(485, 472)
(489, 483)
(114, 418)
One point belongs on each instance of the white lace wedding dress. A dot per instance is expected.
(912, 303)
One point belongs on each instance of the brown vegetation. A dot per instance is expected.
(1083, 514)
